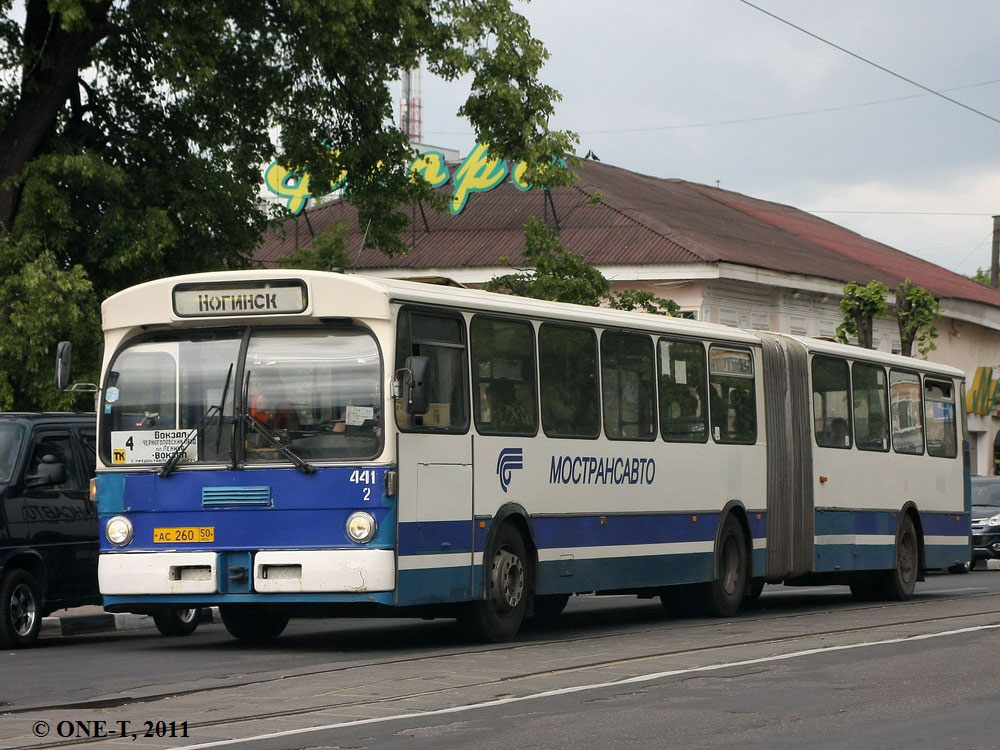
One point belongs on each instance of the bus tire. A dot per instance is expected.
(898, 584)
(253, 623)
(177, 620)
(548, 607)
(724, 595)
(20, 609)
(498, 616)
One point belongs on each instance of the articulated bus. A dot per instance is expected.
(298, 443)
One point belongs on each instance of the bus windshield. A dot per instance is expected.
(316, 391)
(11, 437)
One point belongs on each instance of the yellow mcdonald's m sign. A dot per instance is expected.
(984, 392)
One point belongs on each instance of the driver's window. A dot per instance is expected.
(58, 446)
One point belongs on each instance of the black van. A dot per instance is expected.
(48, 524)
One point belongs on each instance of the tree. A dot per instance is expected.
(916, 310)
(326, 252)
(982, 275)
(132, 133)
(860, 306)
(553, 272)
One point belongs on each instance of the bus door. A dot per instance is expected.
(434, 455)
(790, 505)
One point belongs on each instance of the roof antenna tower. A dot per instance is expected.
(410, 108)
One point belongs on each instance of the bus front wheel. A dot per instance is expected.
(253, 623)
(498, 616)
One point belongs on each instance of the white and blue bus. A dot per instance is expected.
(285, 443)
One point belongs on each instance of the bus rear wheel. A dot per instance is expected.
(724, 595)
(253, 623)
(498, 616)
(898, 584)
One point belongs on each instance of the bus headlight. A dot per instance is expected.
(119, 531)
(995, 520)
(361, 527)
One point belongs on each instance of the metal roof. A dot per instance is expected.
(613, 216)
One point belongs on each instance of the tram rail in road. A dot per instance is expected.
(467, 678)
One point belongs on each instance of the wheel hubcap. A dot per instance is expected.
(22, 610)
(507, 578)
(186, 615)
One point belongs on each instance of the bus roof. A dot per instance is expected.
(343, 295)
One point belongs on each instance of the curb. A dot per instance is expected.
(54, 627)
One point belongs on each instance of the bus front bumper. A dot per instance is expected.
(271, 571)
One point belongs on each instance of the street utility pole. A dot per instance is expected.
(995, 262)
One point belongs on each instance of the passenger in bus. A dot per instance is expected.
(507, 414)
(839, 437)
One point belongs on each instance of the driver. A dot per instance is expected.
(269, 406)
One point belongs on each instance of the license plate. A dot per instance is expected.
(184, 535)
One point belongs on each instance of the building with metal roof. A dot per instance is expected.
(722, 256)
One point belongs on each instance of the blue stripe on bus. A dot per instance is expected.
(611, 530)
(425, 537)
(256, 529)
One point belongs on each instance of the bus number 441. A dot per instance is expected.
(363, 476)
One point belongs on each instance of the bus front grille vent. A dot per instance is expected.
(216, 496)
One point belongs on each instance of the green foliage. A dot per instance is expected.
(44, 303)
(132, 134)
(916, 310)
(635, 299)
(982, 275)
(860, 306)
(556, 273)
(327, 251)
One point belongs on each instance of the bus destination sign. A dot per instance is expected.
(223, 301)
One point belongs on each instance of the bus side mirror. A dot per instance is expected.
(50, 472)
(64, 362)
(418, 385)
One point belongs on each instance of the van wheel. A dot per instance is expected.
(253, 623)
(20, 609)
(498, 617)
(176, 621)
(898, 584)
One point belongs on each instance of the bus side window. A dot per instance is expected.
(831, 402)
(939, 402)
(440, 338)
(627, 374)
(503, 376)
(871, 407)
(568, 367)
(733, 397)
(683, 391)
(904, 406)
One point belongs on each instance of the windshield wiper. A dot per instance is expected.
(175, 457)
(255, 424)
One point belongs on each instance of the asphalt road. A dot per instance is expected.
(804, 668)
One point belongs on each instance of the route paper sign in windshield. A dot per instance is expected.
(151, 446)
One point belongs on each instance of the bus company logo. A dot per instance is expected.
(508, 460)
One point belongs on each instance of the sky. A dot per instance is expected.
(717, 92)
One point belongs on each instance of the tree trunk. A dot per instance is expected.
(866, 325)
(54, 58)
